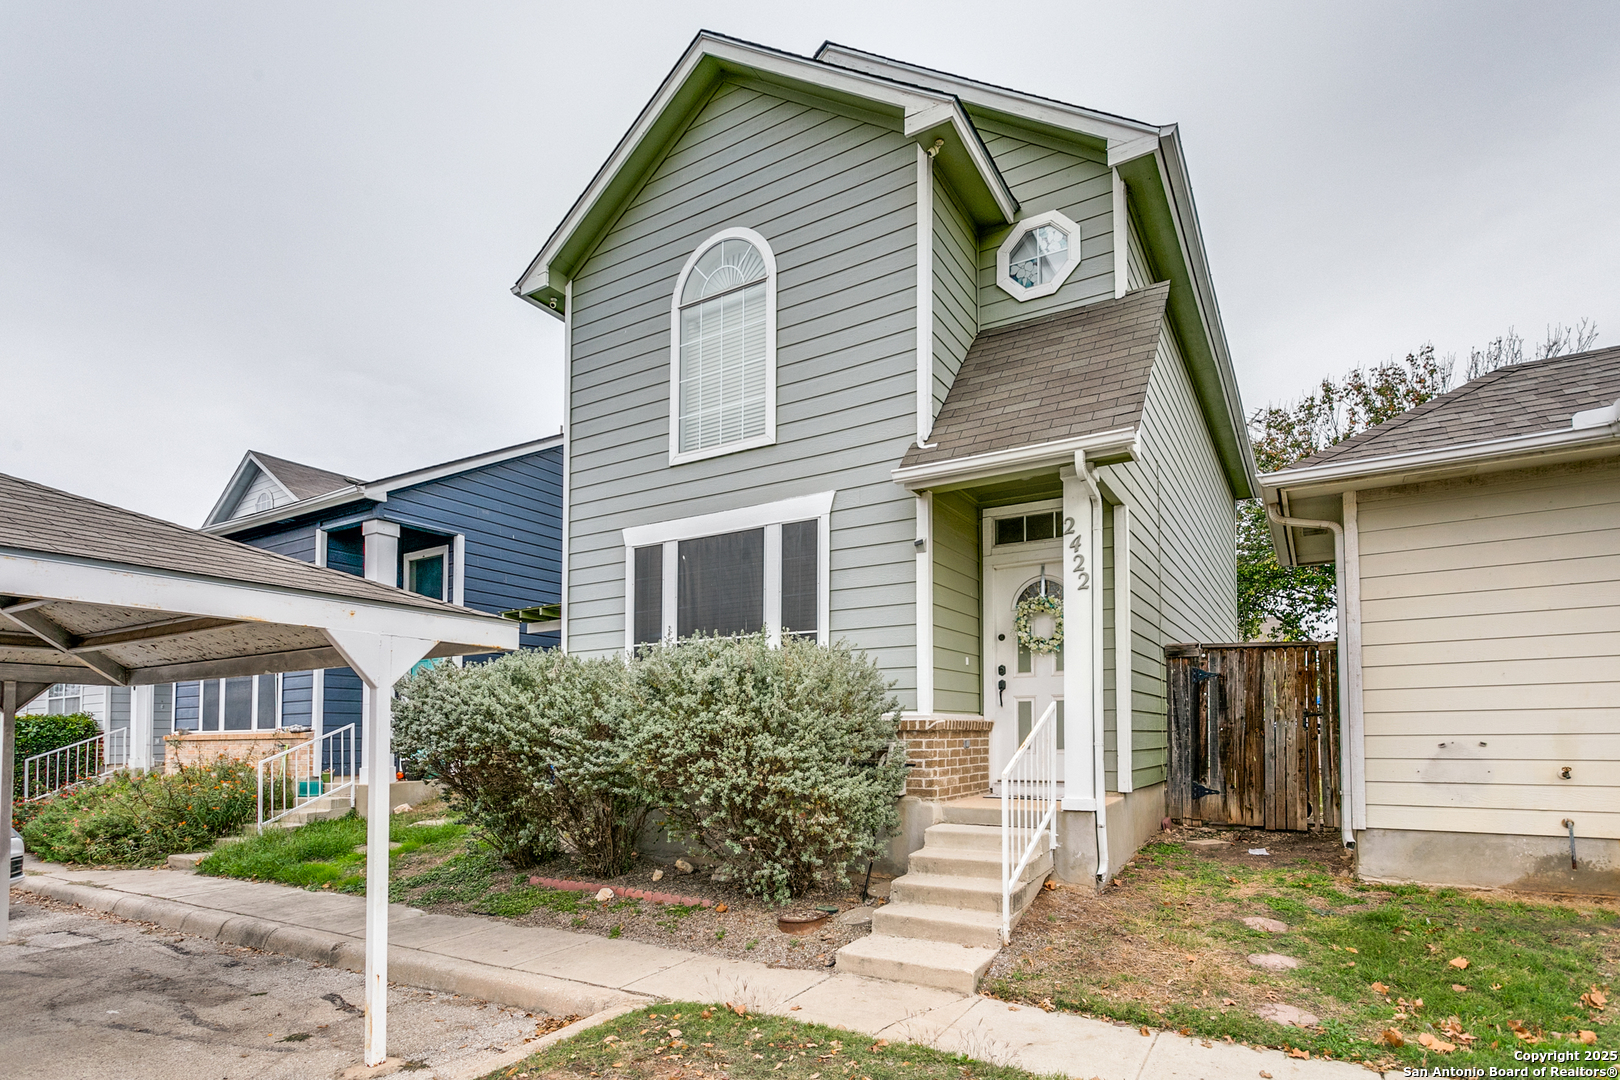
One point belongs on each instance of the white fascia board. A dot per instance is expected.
(85, 581)
(1131, 149)
(1089, 122)
(380, 489)
(1056, 452)
(932, 116)
(285, 511)
(740, 55)
(1173, 174)
(1392, 469)
(726, 521)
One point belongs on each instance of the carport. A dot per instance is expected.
(90, 593)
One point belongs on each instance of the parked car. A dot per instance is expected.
(16, 857)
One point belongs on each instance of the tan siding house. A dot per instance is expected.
(1482, 536)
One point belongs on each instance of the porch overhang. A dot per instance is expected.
(1102, 448)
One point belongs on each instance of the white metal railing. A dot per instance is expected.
(322, 768)
(1029, 805)
(73, 764)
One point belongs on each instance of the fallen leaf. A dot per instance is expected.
(706, 1013)
(1460, 988)
(1146, 1032)
(1264, 1075)
(1496, 986)
(1433, 948)
(674, 1033)
(1594, 999)
(1348, 948)
(1379, 988)
(1303, 1055)
(1589, 1037)
(1228, 1001)
(794, 1008)
(1458, 962)
(721, 909)
(1438, 1045)
(1349, 963)
(1393, 1038)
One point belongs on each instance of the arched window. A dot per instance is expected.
(723, 352)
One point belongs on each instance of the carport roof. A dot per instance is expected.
(97, 594)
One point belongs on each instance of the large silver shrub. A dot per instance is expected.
(532, 751)
(782, 763)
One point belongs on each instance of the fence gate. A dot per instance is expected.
(1254, 734)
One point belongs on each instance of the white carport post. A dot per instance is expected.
(13, 696)
(380, 660)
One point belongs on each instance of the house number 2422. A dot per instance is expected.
(1082, 575)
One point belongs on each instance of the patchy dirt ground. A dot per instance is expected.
(457, 882)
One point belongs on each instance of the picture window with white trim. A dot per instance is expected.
(250, 703)
(721, 585)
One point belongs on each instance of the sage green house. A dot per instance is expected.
(867, 352)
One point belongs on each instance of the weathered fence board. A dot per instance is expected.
(1254, 734)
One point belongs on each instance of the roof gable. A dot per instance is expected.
(926, 115)
(1080, 372)
(262, 483)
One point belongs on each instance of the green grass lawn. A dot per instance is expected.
(687, 1040)
(322, 855)
(1483, 975)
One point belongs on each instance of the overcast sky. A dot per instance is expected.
(293, 227)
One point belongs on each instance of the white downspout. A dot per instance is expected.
(1347, 833)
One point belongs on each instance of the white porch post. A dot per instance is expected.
(1080, 584)
(381, 563)
(8, 748)
(142, 704)
(380, 661)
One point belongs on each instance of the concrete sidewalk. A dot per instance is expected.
(562, 973)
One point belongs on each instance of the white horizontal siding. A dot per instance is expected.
(1491, 652)
(260, 485)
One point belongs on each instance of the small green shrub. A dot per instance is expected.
(139, 818)
(531, 749)
(783, 763)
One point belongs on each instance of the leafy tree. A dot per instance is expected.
(1298, 603)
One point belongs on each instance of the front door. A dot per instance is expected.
(1023, 681)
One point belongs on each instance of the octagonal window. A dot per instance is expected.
(1038, 255)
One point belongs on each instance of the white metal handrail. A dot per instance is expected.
(322, 768)
(1028, 807)
(74, 764)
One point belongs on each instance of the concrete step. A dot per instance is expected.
(967, 893)
(972, 862)
(928, 922)
(978, 810)
(925, 963)
(974, 837)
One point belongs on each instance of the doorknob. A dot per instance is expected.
(1001, 686)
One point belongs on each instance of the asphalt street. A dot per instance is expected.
(90, 996)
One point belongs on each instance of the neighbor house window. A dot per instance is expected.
(1038, 256)
(64, 699)
(426, 573)
(736, 572)
(250, 703)
(723, 351)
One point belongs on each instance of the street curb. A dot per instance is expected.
(410, 967)
(477, 1068)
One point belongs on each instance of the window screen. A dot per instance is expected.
(722, 584)
(267, 701)
(210, 705)
(800, 595)
(426, 576)
(238, 704)
(649, 595)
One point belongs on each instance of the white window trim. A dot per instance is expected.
(445, 583)
(676, 457)
(768, 516)
(253, 707)
(1021, 548)
(1004, 254)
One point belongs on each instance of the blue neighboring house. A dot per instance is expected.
(483, 531)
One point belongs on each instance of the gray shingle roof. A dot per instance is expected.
(1525, 399)
(37, 518)
(1074, 373)
(304, 481)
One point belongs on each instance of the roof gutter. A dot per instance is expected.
(287, 510)
(1116, 442)
(1599, 429)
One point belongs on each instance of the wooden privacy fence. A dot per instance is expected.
(1254, 734)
